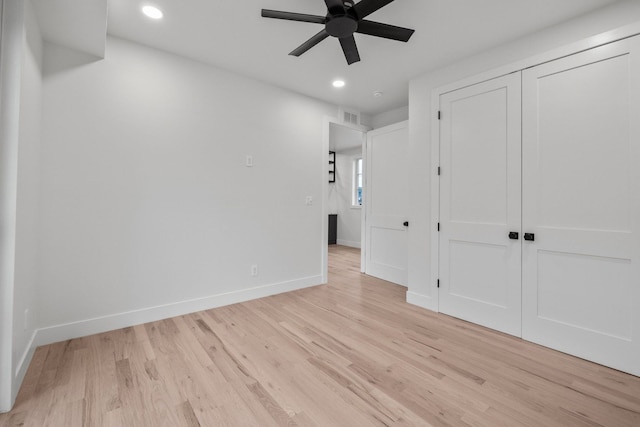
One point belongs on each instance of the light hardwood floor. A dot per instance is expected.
(351, 353)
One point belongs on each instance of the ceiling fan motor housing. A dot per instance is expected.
(342, 25)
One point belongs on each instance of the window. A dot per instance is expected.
(356, 198)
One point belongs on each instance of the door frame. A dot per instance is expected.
(326, 137)
(6, 288)
(434, 162)
(11, 26)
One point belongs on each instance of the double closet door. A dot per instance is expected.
(540, 204)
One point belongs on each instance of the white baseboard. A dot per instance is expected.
(423, 301)
(97, 325)
(23, 365)
(348, 243)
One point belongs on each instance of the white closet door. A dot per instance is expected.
(581, 200)
(386, 202)
(480, 160)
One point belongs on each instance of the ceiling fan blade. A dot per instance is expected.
(350, 49)
(310, 43)
(290, 16)
(367, 7)
(386, 31)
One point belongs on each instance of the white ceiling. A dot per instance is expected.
(232, 35)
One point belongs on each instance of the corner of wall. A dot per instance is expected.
(23, 365)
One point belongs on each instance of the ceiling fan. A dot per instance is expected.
(344, 17)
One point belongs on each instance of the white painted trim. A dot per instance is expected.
(435, 204)
(423, 301)
(324, 245)
(11, 35)
(97, 325)
(23, 365)
(570, 49)
(6, 290)
(363, 212)
(348, 243)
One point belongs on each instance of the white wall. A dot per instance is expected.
(26, 268)
(422, 287)
(349, 218)
(148, 209)
(390, 117)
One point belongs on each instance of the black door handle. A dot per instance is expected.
(513, 235)
(406, 223)
(530, 237)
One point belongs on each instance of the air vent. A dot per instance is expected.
(351, 117)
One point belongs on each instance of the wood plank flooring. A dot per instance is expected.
(351, 353)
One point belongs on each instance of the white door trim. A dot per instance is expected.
(435, 202)
(363, 208)
(11, 28)
(326, 136)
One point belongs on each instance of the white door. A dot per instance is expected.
(480, 204)
(386, 203)
(581, 203)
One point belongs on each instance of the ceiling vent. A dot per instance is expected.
(351, 117)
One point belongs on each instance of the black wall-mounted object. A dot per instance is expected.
(344, 17)
(406, 223)
(333, 229)
(332, 166)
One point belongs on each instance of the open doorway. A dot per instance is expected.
(345, 191)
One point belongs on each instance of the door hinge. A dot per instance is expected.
(438, 170)
(438, 283)
(438, 226)
(439, 115)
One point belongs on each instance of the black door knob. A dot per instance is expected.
(513, 235)
(530, 237)
(406, 223)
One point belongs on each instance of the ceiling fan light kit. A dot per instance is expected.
(343, 19)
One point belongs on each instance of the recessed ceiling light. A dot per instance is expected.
(378, 94)
(338, 83)
(152, 12)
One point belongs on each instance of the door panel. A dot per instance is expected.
(477, 154)
(587, 274)
(480, 158)
(386, 203)
(489, 262)
(581, 191)
(583, 144)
